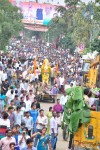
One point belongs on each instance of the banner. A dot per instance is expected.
(36, 13)
(3, 131)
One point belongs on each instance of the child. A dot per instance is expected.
(12, 146)
(54, 91)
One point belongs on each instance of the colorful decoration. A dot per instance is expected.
(46, 70)
(35, 66)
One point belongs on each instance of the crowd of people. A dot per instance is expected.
(24, 125)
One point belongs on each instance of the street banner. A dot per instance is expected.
(36, 13)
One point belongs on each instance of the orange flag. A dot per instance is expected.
(35, 66)
(57, 69)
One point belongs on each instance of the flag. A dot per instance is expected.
(35, 66)
(57, 69)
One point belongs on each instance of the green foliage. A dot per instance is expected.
(97, 1)
(95, 46)
(76, 111)
(10, 22)
(76, 28)
(77, 118)
(77, 93)
(81, 28)
(87, 50)
(66, 42)
(72, 2)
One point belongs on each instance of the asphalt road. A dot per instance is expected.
(61, 145)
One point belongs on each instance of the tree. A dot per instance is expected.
(73, 3)
(71, 20)
(10, 22)
(82, 26)
(95, 46)
(97, 1)
(63, 25)
(66, 42)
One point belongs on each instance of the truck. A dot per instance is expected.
(81, 121)
(88, 137)
(92, 74)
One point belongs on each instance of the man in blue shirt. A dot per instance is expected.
(34, 115)
(29, 146)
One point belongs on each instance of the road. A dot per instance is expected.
(61, 145)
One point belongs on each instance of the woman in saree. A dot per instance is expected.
(43, 140)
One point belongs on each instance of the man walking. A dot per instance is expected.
(63, 99)
(5, 142)
(42, 121)
(28, 122)
(58, 107)
(34, 115)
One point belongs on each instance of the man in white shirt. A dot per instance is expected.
(28, 122)
(22, 85)
(28, 103)
(61, 83)
(61, 80)
(4, 75)
(4, 121)
(18, 115)
(53, 130)
(10, 96)
(42, 121)
(63, 99)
